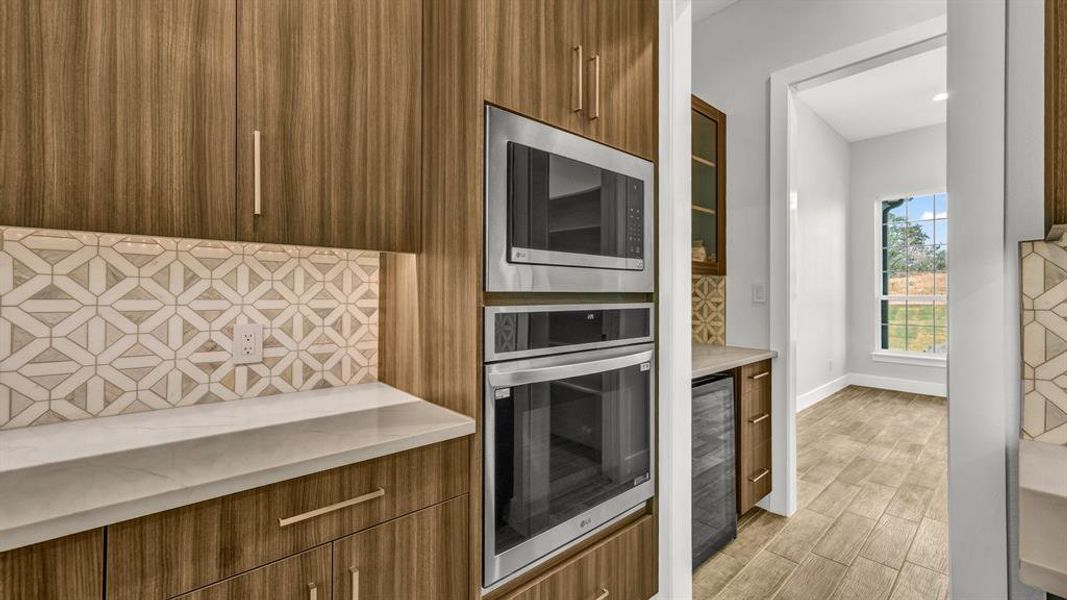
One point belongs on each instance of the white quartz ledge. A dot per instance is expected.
(69, 477)
(709, 359)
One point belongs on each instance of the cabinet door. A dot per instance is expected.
(302, 577)
(622, 38)
(68, 568)
(423, 555)
(118, 116)
(533, 64)
(333, 87)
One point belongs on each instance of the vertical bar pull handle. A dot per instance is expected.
(577, 105)
(258, 208)
(596, 87)
(313, 591)
(355, 582)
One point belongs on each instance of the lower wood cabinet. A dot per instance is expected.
(302, 577)
(754, 434)
(68, 568)
(622, 567)
(421, 556)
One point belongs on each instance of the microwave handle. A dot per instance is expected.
(567, 370)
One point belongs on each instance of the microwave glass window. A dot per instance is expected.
(556, 204)
(563, 447)
(521, 331)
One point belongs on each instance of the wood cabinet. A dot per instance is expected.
(585, 66)
(754, 434)
(68, 568)
(1055, 118)
(422, 555)
(118, 116)
(708, 162)
(169, 553)
(302, 577)
(334, 89)
(622, 567)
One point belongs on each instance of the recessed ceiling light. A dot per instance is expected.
(941, 97)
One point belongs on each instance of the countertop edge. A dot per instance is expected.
(757, 355)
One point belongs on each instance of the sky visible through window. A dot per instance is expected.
(914, 284)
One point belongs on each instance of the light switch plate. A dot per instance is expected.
(759, 293)
(247, 343)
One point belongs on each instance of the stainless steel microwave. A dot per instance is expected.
(564, 213)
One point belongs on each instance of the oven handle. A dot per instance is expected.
(566, 371)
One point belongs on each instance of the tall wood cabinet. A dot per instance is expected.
(754, 434)
(585, 66)
(118, 115)
(138, 116)
(334, 89)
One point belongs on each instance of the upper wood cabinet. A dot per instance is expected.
(708, 163)
(118, 116)
(587, 66)
(68, 568)
(334, 89)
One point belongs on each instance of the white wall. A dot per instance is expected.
(897, 165)
(822, 250)
(734, 53)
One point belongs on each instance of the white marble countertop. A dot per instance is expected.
(709, 359)
(69, 477)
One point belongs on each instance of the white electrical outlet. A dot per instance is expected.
(247, 343)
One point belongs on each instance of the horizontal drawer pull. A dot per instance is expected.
(759, 375)
(762, 417)
(604, 593)
(761, 475)
(318, 512)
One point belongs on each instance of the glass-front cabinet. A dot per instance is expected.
(709, 189)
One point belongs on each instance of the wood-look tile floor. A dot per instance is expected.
(872, 515)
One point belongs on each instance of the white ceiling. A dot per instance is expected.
(703, 9)
(887, 99)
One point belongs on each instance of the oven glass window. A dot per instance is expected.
(556, 204)
(538, 330)
(563, 447)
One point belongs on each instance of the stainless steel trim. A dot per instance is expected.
(257, 207)
(762, 417)
(318, 512)
(577, 107)
(496, 567)
(761, 475)
(489, 330)
(759, 376)
(596, 87)
(534, 256)
(523, 372)
(587, 274)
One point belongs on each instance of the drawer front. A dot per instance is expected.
(169, 553)
(755, 389)
(622, 567)
(302, 577)
(423, 555)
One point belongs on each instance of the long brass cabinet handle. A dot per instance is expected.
(577, 104)
(355, 582)
(596, 87)
(318, 512)
(759, 375)
(604, 593)
(257, 171)
(762, 417)
(313, 591)
(761, 475)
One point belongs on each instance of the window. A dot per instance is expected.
(914, 283)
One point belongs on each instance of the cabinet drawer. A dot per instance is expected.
(622, 567)
(423, 555)
(169, 553)
(302, 577)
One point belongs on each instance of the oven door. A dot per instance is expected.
(569, 446)
(564, 213)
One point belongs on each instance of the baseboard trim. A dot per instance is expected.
(822, 392)
(908, 386)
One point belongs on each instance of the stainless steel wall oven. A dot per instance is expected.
(563, 213)
(569, 430)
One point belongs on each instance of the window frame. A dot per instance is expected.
(910, 357)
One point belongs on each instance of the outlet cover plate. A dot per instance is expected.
(247, 343)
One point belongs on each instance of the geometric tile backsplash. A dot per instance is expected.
(95, 324)
(1044, 327)
(709, 309)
